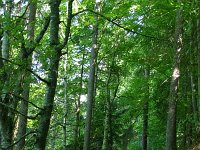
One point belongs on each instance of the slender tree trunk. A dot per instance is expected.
(145, 113)
(171, 120)
(56, 53)
(198, 54)
(5, 40)
(90, 95)
(77, 125)
(106, 138)
(110, 97)
(22, 123)
(186, 89)
(65, 105)
(192, 77)
(126, 137)
(6, 116)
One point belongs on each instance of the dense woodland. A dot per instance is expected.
(99, 75)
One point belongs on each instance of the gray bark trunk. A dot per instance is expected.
(21, 131)
(171, 120)
(52, 77)
(56, 52)
(90, 94)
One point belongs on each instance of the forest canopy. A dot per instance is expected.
(99, 74)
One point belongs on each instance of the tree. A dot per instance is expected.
(90, 94)
(171, 120)
(22, 124)
(56, 52)
(145, 112)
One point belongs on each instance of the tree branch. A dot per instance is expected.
(16, 111)
(31, 71)
(42, 32)
(26, 101)
(68, 26)
(31, 132)
(118, 25)
(40, 35)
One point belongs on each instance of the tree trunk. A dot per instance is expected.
(128, 134)
(22, 123)
(192, 77)
(6, 116)
(198, 54)
(77, 125)
(90, 94)
(111, 93)
(65, 105)
(56, 52)
(171, 120)
(106, 139)
(52, 76)
(145, 112)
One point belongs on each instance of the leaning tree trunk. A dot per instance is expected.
(91, 82)
(56, 53)
(171, 120)
(22, 123)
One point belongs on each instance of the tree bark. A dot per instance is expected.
(22, 123)
(192, 75)
(198, 55)
(171, 119)
(111, 86)
(56, 52)
(6, 116)
(90, 94)
(126, 137)
(145, 112)
(65, 105)
(107, 123)
(77, 125)
(52, 76)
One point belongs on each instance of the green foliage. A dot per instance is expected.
(133, 35)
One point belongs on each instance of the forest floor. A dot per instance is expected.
(195, 147)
